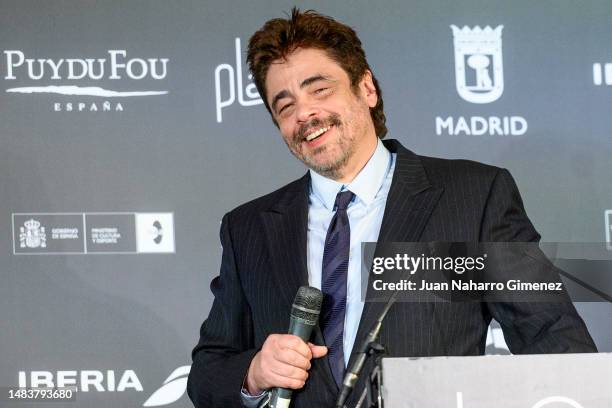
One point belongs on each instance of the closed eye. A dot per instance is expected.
(284, 108)
(321, 90)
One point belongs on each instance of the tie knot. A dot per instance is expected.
(343, 199)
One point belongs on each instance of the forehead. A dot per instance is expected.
(301, 64)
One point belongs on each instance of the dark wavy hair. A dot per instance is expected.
(280, 37)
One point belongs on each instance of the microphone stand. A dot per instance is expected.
(372, 391)
(369, 347)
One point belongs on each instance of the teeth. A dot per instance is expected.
(316, 134)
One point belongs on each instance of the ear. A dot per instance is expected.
(368, 90)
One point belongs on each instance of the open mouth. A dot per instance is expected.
(317, 133)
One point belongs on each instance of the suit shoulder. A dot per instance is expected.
(458, 171)
(264, 202)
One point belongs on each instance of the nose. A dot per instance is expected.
(306, 111)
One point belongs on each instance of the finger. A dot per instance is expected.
(292, 342)
(318, 351)
(285, 382)
(293, 358)
(288, 371)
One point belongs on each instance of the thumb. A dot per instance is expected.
(317, 351)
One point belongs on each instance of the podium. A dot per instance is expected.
(516, 381)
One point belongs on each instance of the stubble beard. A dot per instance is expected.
(333, 169)
(344, 145)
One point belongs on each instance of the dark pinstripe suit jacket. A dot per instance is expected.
(264, 263)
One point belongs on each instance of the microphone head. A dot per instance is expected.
(307, 305)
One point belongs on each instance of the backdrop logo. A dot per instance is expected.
(74, 77)
(172, 389)
(155, 232)
(92, 233)
(234, 85)
(32, 235)
(479, 74)
(479, 78)
(602, 75)
(608, 216)
(83, 380)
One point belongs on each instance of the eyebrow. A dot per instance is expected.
(308, 81)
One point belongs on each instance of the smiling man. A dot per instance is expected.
(321, 93)
(323, 118)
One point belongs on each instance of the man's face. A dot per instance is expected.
(324, 121)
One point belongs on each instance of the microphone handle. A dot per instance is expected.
(299, 327)
(281, 397)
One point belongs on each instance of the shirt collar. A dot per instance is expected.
(365, 185)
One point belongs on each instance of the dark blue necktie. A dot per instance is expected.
(333, 283)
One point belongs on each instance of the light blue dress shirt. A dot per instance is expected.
(371, 188)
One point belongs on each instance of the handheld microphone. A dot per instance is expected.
(304, 317)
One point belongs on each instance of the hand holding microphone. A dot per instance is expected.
(284, 359)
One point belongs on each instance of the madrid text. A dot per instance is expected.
(479, 126)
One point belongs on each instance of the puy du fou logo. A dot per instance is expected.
(69, 76)
(234, 85)
(479, 73)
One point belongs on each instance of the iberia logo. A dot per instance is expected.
(171, 390)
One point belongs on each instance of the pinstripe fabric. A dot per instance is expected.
(264, 263)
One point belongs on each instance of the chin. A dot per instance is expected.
(324, 164)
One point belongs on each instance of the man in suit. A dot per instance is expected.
(314, 79)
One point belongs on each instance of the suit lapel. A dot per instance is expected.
(409, 205)
(286, 229)
(285, 226)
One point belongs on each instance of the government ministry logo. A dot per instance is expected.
(32, 235)
(92, 233)
(479, 73)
